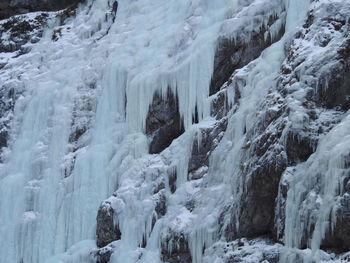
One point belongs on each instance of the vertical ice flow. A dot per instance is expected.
(153, 45)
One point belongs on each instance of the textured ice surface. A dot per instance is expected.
(77, 130)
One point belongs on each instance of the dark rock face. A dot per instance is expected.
(234, 54)
(21, 32)
(3, 138)
(14, 7)
(179, 252)
(325, 80)
(275, 143)
(219, 105)
(163, 123)
(210, 138)
(106, 229)
(262, 164)
(172, 177)
(339, 238)
(264, 171)
(334, 87)
(299, 147)
(257, 215)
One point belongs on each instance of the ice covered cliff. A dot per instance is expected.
(175, 131)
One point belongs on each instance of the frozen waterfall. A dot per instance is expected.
(78, 133)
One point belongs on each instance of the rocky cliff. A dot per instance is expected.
(14, 7)
(178, 132)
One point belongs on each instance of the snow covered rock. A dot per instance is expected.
(338, 238)
(315, 78)
(107, 229)
(234, 53)
(175, 248)
(216, 129)
(319, 56)
(259, 250)
(208, 140)
(14, 7)
(17, 31)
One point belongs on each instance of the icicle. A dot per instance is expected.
(151, 46)
(199, 241)
(305, 202)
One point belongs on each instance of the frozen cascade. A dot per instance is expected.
(260, 77)
(38, 205)
(314, 195)
(152, 46)
(55, 212)
(303, 197)
(181, 64)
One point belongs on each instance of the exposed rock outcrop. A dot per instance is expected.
(329, 74)
(262, 164)
(163, 123)
(17, 31)
(107, 229)
(338, 239)
(235, 53)
(281, 138)
(14, 7)
(207, 141)
(175, 249)
(325, 85)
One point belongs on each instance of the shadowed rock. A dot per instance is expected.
(234, 54)
(106, 229)
(339, 238)
(11, 7)
(163, 123)
(334, 88)
(179, 252)
(201, 151)
(299, 147)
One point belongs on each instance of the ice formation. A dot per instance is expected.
(77, 135)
